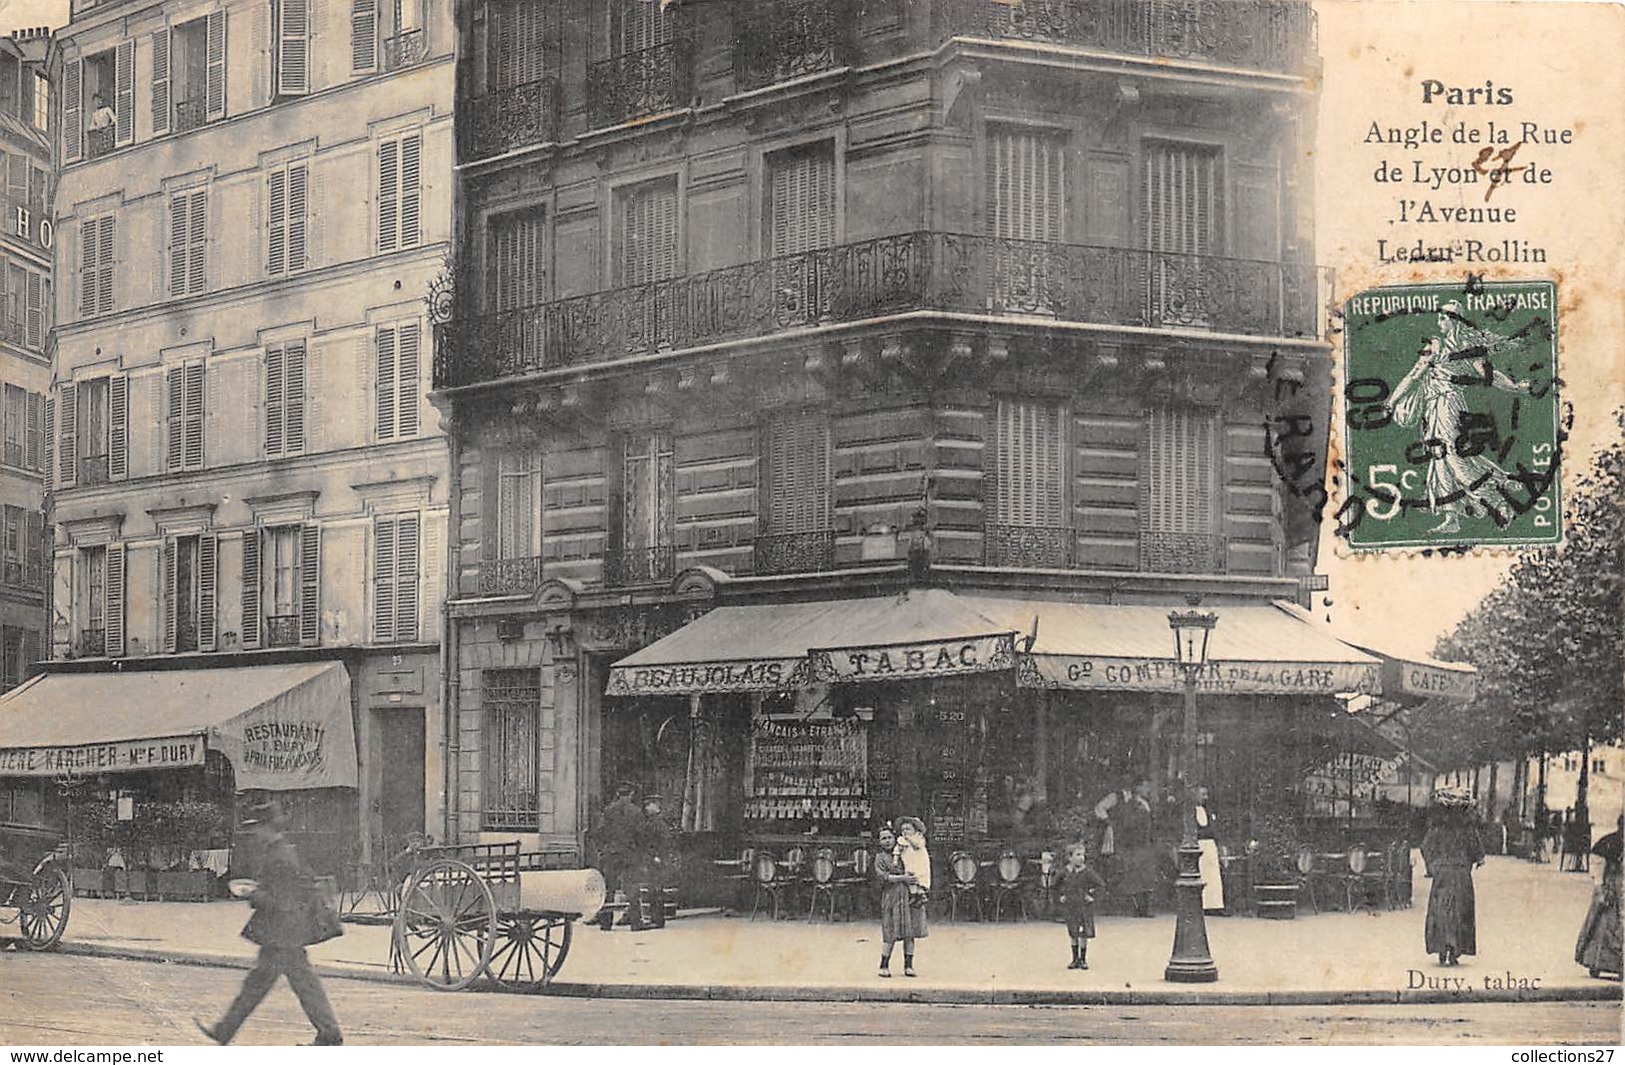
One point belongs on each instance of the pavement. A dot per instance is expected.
(1528, 917)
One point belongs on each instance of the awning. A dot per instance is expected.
(282, 727)
(1255, 649)
(1413, 678)
(918, 634)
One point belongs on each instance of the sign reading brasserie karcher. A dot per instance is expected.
(120, 756)
(935, 658)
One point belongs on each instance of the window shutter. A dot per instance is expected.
(389, 206)
(197, 241)
(298, 198)
(293, 49)
(73, 114)
(385, 340)
(310, 584)
(411, 176)
(1177, 492)
(160, 81)
(171, 610)
(251, 588)
(34, 550)
(35, 433)
(48, 441)
(798, 474)
(124, 91)
(1183, 198)
(802, 209)
(518, 259)
(214, 78)
(1026, 185)
(383, 605)
(275, 441)
(363, 36)
(113, 613)
(194, 416)
(175, 418)
(649, 234)
(89, 265)
(407, 343)
(118, 426)
(406, 578)
(518, 54)
(104, 266)
(208, 551)
(34, 315)
(293, 398)
(1029, 472)
(68, 443)
(276, 259)
(179, 221)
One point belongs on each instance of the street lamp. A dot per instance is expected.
(1191, 961)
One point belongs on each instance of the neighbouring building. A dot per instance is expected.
(842, 394)
(249, 485)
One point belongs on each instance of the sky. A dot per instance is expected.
(21, 14)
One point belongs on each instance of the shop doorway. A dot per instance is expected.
(397, 752)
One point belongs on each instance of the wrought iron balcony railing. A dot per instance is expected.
(506, 119)
(802, 552)
(189, 114)
(1183, 553)
(510, 576)
(778, 40)
(92, 469)
(282, 630)
(92, 642)
(98, 142)
(1028, 546)
(1274, 35)
(639, 565)
(886, 276)
(640, 83)
(405, 49)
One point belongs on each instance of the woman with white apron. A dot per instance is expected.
(1208, 866)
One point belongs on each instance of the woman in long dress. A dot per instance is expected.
(1452, 848)
(1134, 857)
(900, 918)
(1599, 945)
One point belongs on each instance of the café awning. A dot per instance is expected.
(281, 726)
(918, 634)
(1414, 678)
(1263, 649)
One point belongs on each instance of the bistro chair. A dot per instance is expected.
(1373, 880)
(852, 879)
(964, 867)
(1308, 876)
(1345, 875)
(821, 881)
(738, 871)
(1009, 886)
(772, 882)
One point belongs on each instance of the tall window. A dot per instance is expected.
(188, 241)
(1026, 209)
(16, 547)
(98, 102)
(399, 177)
(285, 399)
(512, 706)
(281, 586)
(94, 430)
(19, 650)
(646, 238)
(183, 423)
(1183, 198)
(1029, 468)
(515, 44)
(93, 600)
(516, 259)
(16, 424)
(288, 228)
(795, 488)
(181, 593)
(647, 514)
(801, 200)
(1178, 493)
(42, 103)
(395, 579)
(519, 476)
(290, 55)
(189, 74)
(396, 348)
(96, 249)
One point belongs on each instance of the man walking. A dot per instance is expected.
(617, 830)
(652, 841)
(287, 918)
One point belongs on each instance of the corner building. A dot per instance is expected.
(841, 394)
(250, 487)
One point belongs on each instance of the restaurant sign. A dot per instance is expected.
(118, 756)
(1093, 673)
(913, 661)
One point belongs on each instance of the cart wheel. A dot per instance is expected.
(529, 950)
(446, 926)
(43, 915)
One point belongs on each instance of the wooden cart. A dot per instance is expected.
(36, 892)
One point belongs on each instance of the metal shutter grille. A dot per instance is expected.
(802, 202)
(518, 259)
(798, 474)
(649, 233)
(642, 25)
(1183, 198)
(512, 701)
(1025, 181)
(518, 56)
(516, 504)
(1177, 493)
(1028, 473)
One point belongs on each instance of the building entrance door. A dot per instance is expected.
(397, 777)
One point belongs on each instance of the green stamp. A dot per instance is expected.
(1450, 414)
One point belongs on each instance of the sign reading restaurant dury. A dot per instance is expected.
(1240, 678)
(119, 756)
(935, 658)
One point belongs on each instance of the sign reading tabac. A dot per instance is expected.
(1450, 416)
(933, 658)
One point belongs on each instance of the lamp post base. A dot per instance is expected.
(1191, 961)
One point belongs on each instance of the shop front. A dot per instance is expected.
(142, 771)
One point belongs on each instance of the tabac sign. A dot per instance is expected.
(913, 661)
(119, 756)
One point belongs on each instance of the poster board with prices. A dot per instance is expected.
(807, 771)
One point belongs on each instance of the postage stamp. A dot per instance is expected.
(1451, 419)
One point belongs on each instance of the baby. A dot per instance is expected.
(911, 852)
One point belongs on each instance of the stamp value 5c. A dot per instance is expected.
(1450, 415)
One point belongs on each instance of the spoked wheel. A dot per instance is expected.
(529, 950)
(446, 927)
(43, 913)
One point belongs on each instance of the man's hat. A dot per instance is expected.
(626, 787)
(266, 811)
(647, 799)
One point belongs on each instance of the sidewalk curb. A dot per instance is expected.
(953, 996)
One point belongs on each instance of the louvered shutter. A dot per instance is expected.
(408, 340)
(518, 259)
(161, 108)
(118, 426)
(275, 382)
(276, 259)
(214, 78)
(34, 550)
(406, 578)
(383, 601)
(297, 221)
(89, 265)
(310, 584)
(1029, 472)
(124, 92)
(35, 432)
(1183, 198)
(411, 176)
(105, 234)
(293, 48)
(194, 416)
(516, 44)
(208, 568)
(384, 382)
(649, 234)
(68, 441)
(293, 397)
(175, 417)
(251, 588)
(798, 474)
(73, 114)
(1177, 492)
(34, 312)
(170, 606)
(802, 202)
(197, 240)
(113, 602)
(363, 36)
(48, 441)
(389, 208)
(179, 222)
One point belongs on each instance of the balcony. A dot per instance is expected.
(92, 643)
(99, 142)
(1027, 546)
(507, 119)
(1029, 280)
(777, 40)
(803, 552)
(92, 469)
(405, 49)
(645, 82)
(1183, 553)
(1273, 35)
(190, 114)
(281, 630)
(639, 565)
(510, 576)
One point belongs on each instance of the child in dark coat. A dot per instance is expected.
(1078, 887)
